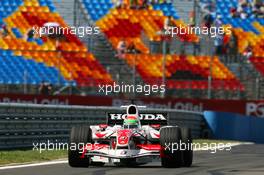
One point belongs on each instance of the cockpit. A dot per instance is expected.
(126, 126)
(131, 121)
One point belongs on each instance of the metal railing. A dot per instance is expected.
(21, 125)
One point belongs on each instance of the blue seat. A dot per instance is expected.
(14, 68)
(223, 8)
(7, 7)
(17, 33)
(102, 7)
(167, 9)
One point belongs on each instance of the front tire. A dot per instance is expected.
(187, 157)
(171, 157)
(83, 135)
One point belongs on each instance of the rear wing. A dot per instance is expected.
(145, 118)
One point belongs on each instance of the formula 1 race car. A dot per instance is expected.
(130, 139)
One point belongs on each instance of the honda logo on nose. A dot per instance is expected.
(141, 116)
(145, 118)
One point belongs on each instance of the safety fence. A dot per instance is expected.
(21, 125)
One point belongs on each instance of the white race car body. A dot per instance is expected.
(130, 139)
(114, 143)
(118, 144)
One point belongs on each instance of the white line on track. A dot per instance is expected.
(34, 164)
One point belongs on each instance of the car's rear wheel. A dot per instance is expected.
(80, 135)
(187, 157)
(171, 155)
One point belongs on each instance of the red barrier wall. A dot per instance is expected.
(253, 108)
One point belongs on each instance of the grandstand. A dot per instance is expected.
(83, 63)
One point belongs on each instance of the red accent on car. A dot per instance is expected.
(149, 147)
(123, 136)
(157, 135)
(90, 146)
(113, 144)
(155, 126)
(96, 146)
(100, 135)
(132, 117)
(103, 126)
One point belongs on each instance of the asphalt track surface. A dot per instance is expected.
(242, 160)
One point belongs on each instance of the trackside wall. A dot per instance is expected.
(235, 126)
(21, 125)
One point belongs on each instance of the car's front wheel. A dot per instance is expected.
(187, 157)
(80, 135)
(171, 155)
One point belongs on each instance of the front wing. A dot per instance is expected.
(140, 151)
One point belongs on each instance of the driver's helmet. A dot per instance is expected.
(130, 122)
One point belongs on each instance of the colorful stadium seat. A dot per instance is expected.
(128, 24)
(187, 72)
(98, 8)
(249, 31)
(18, 70)
(67, 58)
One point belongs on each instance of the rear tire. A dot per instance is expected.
(170, 136)
(187, 157)
(79, 134)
